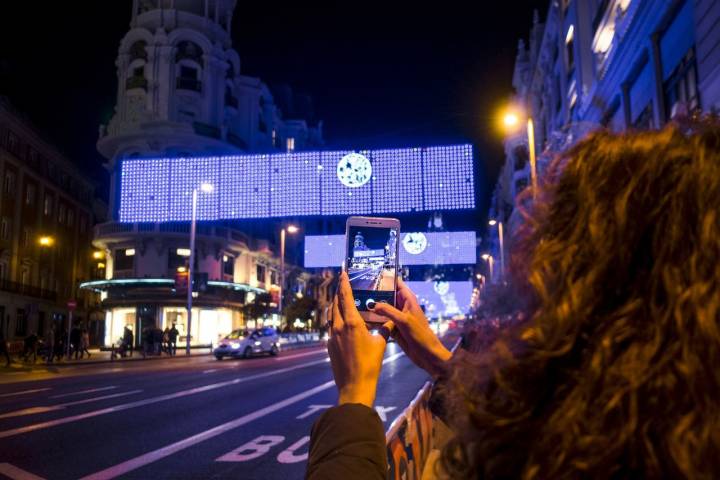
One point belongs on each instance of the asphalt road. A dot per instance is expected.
(178, 418)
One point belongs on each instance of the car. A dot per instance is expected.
(245, 343)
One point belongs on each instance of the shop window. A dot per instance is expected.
(681, 91)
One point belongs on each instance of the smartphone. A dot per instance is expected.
(371, 262)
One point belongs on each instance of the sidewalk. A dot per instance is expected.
(101, 356)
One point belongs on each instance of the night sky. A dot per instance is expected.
(379, 73)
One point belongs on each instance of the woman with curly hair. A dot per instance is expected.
(613, 371)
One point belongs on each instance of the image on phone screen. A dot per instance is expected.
(371, 264)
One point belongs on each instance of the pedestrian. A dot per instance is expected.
(50, 343)
(157, 335)
(84, 342)
(30, 345)
(60, 343)
(75, 338)
(147, 339)
(127, 342)
(173, 336)
(166, 340)
(608, 367)
(4, 348)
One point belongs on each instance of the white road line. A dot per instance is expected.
(148, 401)
(15, 473)
(155, 455)
(24, 392)
(305, 354)
(211, 370)
(52, 408)
(97, 399)
(92, 390)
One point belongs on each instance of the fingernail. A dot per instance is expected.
(370, 305)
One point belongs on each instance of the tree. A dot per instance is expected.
(301, 308)
(260, 307)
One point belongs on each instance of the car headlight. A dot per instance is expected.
(235, 346)
(257, 342)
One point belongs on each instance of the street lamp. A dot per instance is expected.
(205, 187)
(488, 258)
(511, 120)
(502, 246)
(290, 229)
(46, 241)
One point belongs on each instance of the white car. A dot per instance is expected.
(244, 343)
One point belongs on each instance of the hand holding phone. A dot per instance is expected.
(371, 262)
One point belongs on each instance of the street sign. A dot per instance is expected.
(72, 304)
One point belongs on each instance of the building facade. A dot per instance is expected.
(181, 94)
(618, 64)
(46, 220)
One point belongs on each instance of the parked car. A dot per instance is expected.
(245, 343)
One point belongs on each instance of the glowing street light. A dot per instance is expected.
(97, 255)
(511, 121)
(46, 241)
(205, 187)
(492, 223)
(290, 229)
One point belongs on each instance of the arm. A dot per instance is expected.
(347, 442)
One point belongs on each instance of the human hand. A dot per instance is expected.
(413, 332)
(356, 355)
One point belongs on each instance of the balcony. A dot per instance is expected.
(115, 231)
(136, 82)
(27, 290)
(188, 84)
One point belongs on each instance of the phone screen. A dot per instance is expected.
(371, 264)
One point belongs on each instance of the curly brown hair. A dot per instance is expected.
(616, 371)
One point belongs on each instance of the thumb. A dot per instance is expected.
(390, 312)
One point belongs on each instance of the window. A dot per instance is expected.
(138, 71)
(228, 266)
(9, 183)
(3, 270)
(124, 259)
(61, 213)
(175, 259)
(70, 218)
(25, 275)
(83, 224)
(47, 206)
(20, 323)
(569, 47)
(681, 92)
(260, 273)
(25, 237)
(290, 144)
(644, 120)
(273, 277)
(30, 195)
(5, 228)
(12, 142)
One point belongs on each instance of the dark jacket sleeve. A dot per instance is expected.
(347, 442)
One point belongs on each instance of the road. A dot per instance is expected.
(373, 278)
(182, 418)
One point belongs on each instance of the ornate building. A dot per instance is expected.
(617, 64)
(181, 94)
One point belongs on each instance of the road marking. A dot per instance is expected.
(211, 370)
(15, 473)
(52, 408)
(24, 392)
(149, 401)
(155, 455)
(92, 390)
(312, 409)
(278, 359)
(252, 449)
(381, 411)
(288, 455)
